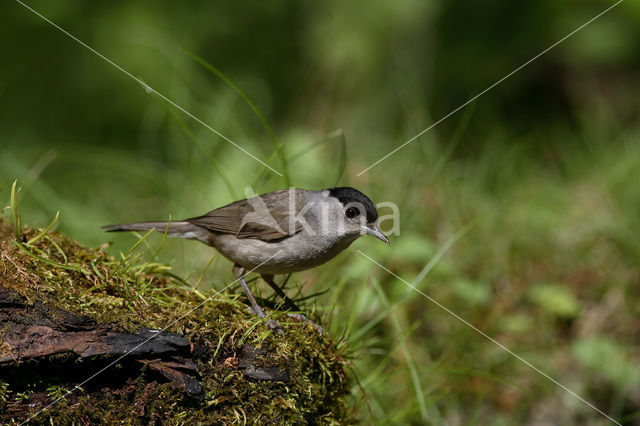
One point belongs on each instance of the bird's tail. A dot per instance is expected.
(182, 229)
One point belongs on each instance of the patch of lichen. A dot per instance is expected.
(133, 293)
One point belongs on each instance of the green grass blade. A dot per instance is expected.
(45, 231)
(411, 364)
(47, 261)
(157, 252)
(276, 144)
(185, 128)
(357, 334)
(17, 226)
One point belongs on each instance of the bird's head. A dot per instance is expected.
(355, 213)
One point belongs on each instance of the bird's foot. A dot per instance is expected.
(275, 326)
(303, 318)
(270, 323)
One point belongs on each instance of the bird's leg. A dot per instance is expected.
(290, 304)
(239, 273)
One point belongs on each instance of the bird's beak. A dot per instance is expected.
(373, 229)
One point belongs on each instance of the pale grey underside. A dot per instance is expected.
(263, 233)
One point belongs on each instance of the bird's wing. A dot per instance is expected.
(265, 217)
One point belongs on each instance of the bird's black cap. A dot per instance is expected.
(347, 195)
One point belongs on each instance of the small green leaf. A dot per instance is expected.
(608, 358)
(516, 323)
(475, 293)
(414, 248)
(556, 299)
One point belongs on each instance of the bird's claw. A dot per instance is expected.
(303, 318)
(275, 326)
(270, 323)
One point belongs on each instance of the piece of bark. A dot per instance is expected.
(247, 364)
(35, 332)
(171, 370)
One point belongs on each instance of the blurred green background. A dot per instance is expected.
(521, 212)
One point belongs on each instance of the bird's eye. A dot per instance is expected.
(351, 212)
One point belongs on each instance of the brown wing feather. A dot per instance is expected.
(265, 217)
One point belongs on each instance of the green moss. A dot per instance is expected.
(133, 293)
(4, 393)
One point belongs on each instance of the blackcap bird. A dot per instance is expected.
(278, 233)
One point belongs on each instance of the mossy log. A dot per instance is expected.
(88, 339)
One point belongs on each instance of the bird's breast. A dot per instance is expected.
(296, 253)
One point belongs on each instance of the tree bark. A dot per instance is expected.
(37, 333)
